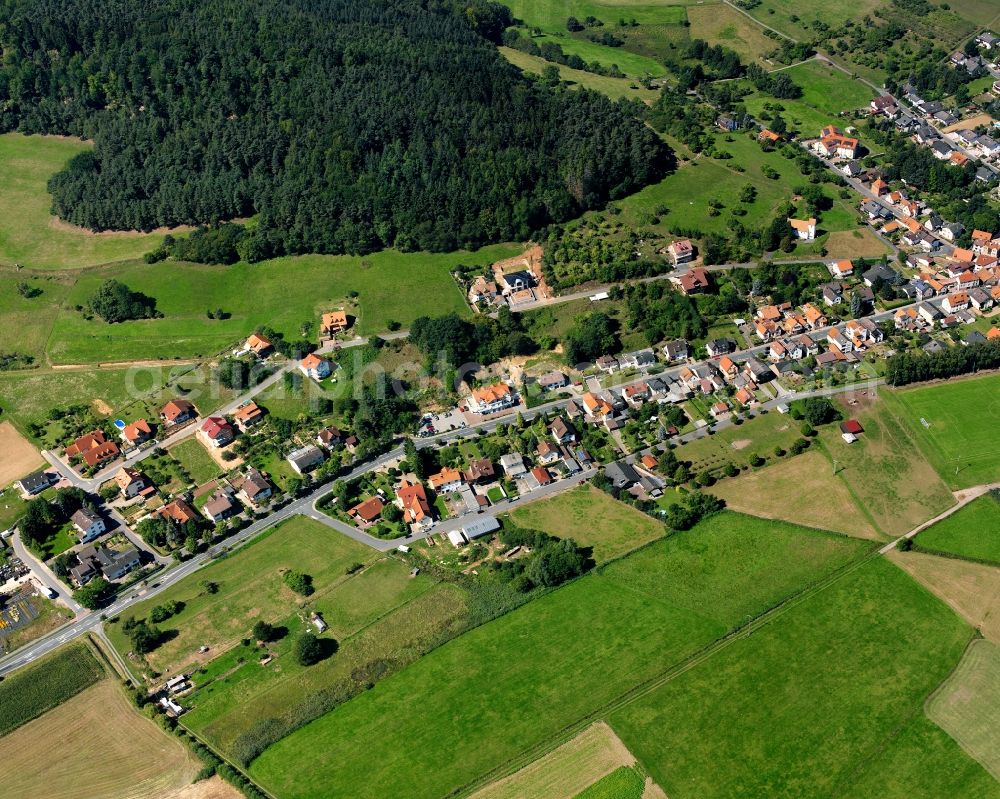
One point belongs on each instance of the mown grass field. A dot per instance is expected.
(885, 471)
(968, 704)
(250, 587)
(800, 706)
(962, 434)
(800, 489)
(972, 590)
(100, 747)
(593, 519)
(718, 23)
(922, 762)
(502, 688)
(29, 692)
(566, 771)
(193, 456)
(29, 234)
(622, 783)
(982, 12)
(972, 532)
(614, 88)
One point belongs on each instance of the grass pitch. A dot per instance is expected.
(957, 425)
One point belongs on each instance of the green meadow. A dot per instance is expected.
(29, 234)
(972, 532)
(801, 706)
(957, 426)
(481, 700)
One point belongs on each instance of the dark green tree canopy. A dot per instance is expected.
(345, 125)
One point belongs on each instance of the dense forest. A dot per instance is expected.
(345, 125)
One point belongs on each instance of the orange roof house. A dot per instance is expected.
(804, 228)
(367, 512)
(595, 406)
(333, 322)
(413, 498)
(93, 448)
(137, 432)
(768, 135)
(446, 479)
(993, 334)
(178, 410)
(879, 187)
(179, 511)
(248, 415)
(259, 345)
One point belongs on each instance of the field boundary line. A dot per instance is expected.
(674, 671)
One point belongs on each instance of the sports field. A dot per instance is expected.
(800, 489)
(957, 425)
(29, 234)
(967, 706)
(593, 519)
(972, 590)
(105, 748)
(489, 696)
(799, 707)
(884, 470)
(972, 532)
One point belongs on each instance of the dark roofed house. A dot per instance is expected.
(88, 524)
(35, 483)
(221, 506)
(561, 431)
(852, 426)
(480, 470)
(720, 346)
(621, 474)
(676, 350)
